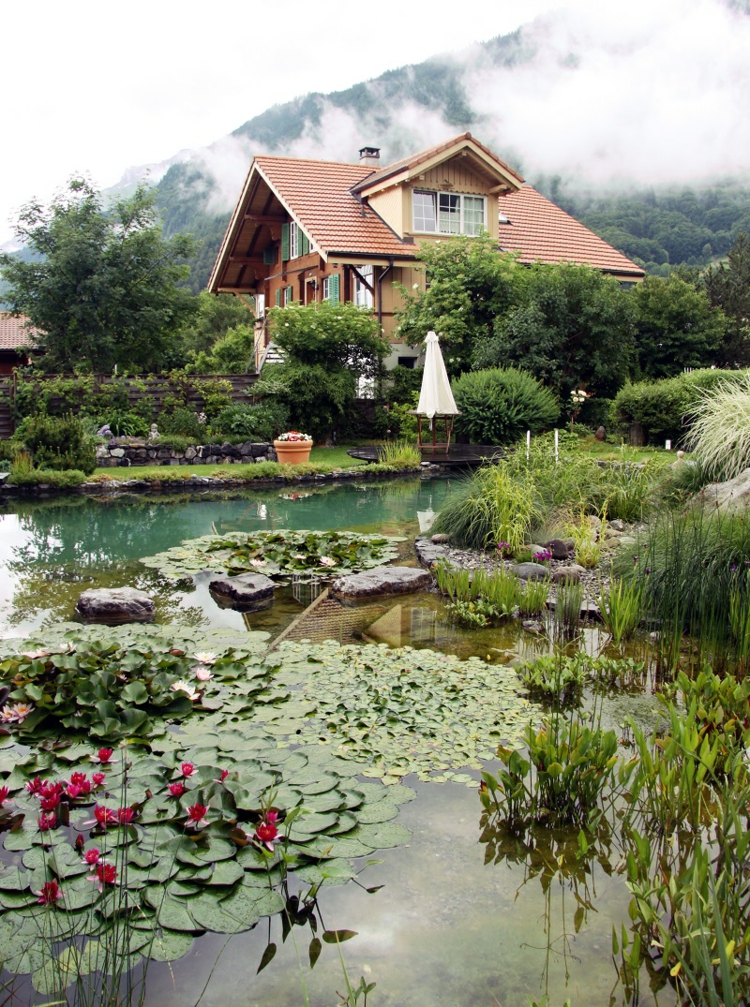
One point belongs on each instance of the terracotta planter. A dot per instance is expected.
(293, 452)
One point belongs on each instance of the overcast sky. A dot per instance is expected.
(98, 86)
(660, 91)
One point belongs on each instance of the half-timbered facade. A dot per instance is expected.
(307, 231)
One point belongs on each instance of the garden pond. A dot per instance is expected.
(455, 911)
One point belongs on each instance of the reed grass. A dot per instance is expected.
(621, 609)
(719, 434)
(568, 609)
(400, 454)
(494, 505)
(533, 600)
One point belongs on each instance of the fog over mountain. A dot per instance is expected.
(657, 93)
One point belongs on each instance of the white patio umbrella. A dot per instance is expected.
(436, 397)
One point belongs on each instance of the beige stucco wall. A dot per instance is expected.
(390, 205)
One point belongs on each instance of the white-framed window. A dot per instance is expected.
(332, 288)
(362, 295)
(293, 240)
(448, 213)
(288, 295)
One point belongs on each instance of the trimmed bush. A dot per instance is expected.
(498, 406)
(260, 422)
(661, 407)
(58, 443)
(183, 422)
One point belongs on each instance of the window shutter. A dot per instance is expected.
(304, 242)
(278, 297)
(333, 288)
(289, 294)
(269, 255)
(285, 242)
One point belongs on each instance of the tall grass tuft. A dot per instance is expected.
(720, 428)
(400, 454)
(621, 608)
(494, 505)
(533, 600)
(568, 609)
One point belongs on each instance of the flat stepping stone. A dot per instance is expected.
(114, 605)
(248, 592)
(429, 552)
(383, 580)
(530, 571)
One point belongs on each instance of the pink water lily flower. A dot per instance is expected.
(183, 686)
(16, 713)
(34, 655)
(202, 672)
(102, 817)
(197, 817)
(222, 776)
(34, 786)
(105, 874)
(47, 822)
(91, 857)
(3, 795)
(104, 755)
(177, 789)
(266, 833)
(205, 657)
(327, 561)
(187, 769)
(49, 893)
(125, 816)
(98, 779)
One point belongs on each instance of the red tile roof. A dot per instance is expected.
(542, 232)
(16, 332)
(317, 194)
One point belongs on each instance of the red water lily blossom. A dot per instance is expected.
(103, 817)
(74, 790)
(223, 774)
(104, 755)
(34, 786)
(196, 817)
(188, 769)
(49, 894)
(105, 874)
(125, 816)
(266, 832)
(3, 795)
(177, 789)
(91, 857)
(47, 822)
(98, 779)
(50, 790)
(50, 803)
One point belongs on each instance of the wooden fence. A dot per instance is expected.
(157, 388)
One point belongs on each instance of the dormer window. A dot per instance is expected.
(448, 213)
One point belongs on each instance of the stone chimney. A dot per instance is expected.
(370, 156)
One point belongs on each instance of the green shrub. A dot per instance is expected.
(127, 424)
(183, 422)
(260, 422)
(498, 406)
(66, 479)
(58, 443)
(662, 407)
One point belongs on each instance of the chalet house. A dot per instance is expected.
(17, 339)
(306, 231)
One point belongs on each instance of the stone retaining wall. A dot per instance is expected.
(119, 454)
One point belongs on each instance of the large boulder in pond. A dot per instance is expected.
(248, 592)
(530, 571)
(113, 605)
(383, 580)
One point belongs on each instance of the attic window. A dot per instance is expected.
(448, 213)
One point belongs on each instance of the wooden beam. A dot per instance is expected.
(264, 218)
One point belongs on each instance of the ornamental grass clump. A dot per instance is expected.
(400, 454)
(495, 505)
(719, 435)
(621, 608)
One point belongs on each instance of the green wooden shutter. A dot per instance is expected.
(289, 294)
(285, 242)
(304, 243)
(334, 289)
(269, 255)
(278, 297)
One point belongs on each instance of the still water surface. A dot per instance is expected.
(447, 929)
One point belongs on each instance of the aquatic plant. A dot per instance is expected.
(275, 553)
(563, 781)
(533, 599)
(476, 614)
(621, 609)
(555, 677)
(568, 609)
(400, 454)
